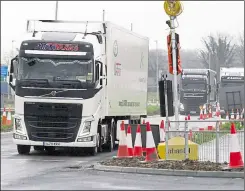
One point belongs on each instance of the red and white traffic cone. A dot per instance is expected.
(232, 115)
(143, 121)
(162, 132)
(227, 116)
(242, 113)
(122, 147)
(204, 112)
(129, 142)
(151, 152)
(217, 109)
(189, 117)
(4, 118)
(138, 152)
(201, 114)
(235, 153)
(9, 118)
(237, 114)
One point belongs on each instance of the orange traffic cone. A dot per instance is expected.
(138, 152)
(4, 118)
(129, 141)
(122, 147)
(232, 115)
(151, 152)
(162, 132)
(9, 120)
(235, 154)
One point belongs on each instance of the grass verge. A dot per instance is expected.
(153, 110)
(204, 137)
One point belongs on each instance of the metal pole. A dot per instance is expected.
(157, 68)
(131, 26)
(175, 82)
(186, 140)
(103, 16)
(166, 109)
(209, 65)
(56, 10)
(217, 142)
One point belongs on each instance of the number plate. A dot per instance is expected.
(51, 144)
(193, 112)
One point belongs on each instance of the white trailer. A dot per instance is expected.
(72, 86)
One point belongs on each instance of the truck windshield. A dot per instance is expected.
(200, 86)
(55, 69)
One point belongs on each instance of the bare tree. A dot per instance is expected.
(219, 50)
(240, 49)
(6, 58)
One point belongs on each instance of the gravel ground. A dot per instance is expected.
(177, 165)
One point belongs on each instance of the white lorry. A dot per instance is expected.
(71, 87)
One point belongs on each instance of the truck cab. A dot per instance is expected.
(197, 87)
(69, 85)
(231, 90)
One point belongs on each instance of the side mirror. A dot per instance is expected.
(100, 39)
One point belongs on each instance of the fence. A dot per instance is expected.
(208, 145)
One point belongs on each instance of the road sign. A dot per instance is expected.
(4, 71)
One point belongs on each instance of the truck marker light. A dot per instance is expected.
(68, 53)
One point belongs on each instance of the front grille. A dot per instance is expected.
(55, 122)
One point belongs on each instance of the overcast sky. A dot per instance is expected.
(199, 19)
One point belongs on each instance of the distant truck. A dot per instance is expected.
(231, 90)
(197, 87)
(71, 87)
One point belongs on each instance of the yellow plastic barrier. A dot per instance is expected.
(176, 149)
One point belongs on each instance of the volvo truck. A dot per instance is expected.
(197, 87)
(231, 90)
(73, 85)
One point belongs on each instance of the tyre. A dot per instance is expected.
(38, 148)
(23, 149)
(93, 151)
(50, 150)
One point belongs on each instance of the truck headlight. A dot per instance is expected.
(18, 126)
(87, 127)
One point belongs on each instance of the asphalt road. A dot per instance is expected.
(68, 171)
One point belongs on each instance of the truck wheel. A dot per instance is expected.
(93, 151)
(50, 150)
(38, 148)
(23, 149)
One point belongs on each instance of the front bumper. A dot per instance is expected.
(56, 144)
